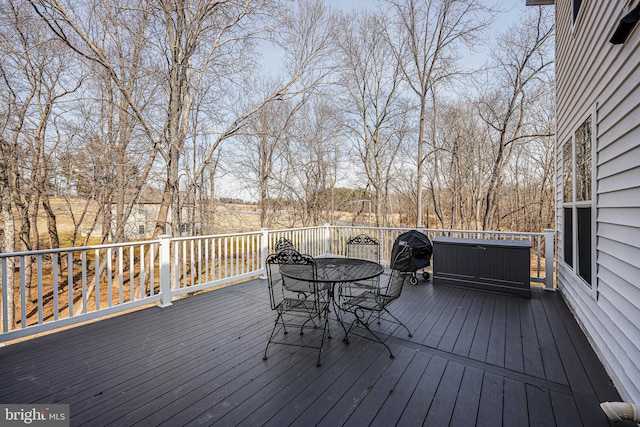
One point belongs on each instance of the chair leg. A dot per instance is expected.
(326, 330)
(346, 333)
(273, 331)
(359, 320)
(399, 322)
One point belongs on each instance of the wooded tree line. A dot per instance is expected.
(109, 100)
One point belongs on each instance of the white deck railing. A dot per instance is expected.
(60, 287)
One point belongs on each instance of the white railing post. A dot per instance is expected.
(327, 238)
(165, 270)
(549, 258)
(264, 252)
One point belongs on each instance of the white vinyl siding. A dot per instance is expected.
(591, 71)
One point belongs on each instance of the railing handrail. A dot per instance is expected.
(76, 248)
(244, 233)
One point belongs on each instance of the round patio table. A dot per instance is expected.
(334, 270)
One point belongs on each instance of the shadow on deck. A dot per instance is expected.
(476, 358)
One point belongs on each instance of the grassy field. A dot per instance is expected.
(226, 218)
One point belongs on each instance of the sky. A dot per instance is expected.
(511, 11)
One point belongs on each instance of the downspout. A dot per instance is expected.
(620, 411)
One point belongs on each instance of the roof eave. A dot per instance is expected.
(540, 2)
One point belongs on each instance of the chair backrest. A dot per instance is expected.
(363, 247)
(283, 243)
(397, 278)
(281, 287)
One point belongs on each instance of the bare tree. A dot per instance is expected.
(523, 65)
(34, 78)
(460, 160)
(427, 37)
(373, 108)
(261, 154)
(308, 166)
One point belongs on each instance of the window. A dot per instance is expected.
(141, 230)
(578, 201)
(576, 9)
(141, 208)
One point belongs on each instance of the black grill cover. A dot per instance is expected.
(421, 251)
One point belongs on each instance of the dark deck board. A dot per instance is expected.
(420, 401)
(576, 374)
(455, 326)
(599, 379)
(465, 338)
(548, 349)
(392, 409)
(565, 412)
(465, 411)
(539, 407)
(480, 341)
(513, 352)
(497, 335)
(476, 358)
(491, 395)
(515, 411)
(444, 400)
(532, 358)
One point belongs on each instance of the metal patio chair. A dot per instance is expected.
(283, 243)
(299, 304)
(363, 247)
(368, 303)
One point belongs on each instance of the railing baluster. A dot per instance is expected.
(54, 273)
(121, 274)
(132, 291)
(199, 262)
(143, 288)
(23, 294)
(218, 259)
(109, 279)
(70, 286)
(5, 296)
(192, 261)
(84, 281)
(226, 257)
(39, 278)
(183, 282)
(206, 260)
(176, 266)
(96, 277)
(152, 265)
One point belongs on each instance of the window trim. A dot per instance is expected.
(575, 205)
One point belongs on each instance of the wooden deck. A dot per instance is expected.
(476, 358)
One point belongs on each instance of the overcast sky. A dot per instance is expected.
(511, 10)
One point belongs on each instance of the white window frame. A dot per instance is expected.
(574, 205)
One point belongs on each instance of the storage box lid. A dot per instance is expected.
(482, 242)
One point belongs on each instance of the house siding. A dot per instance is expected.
(595, 75)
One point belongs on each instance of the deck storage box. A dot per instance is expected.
(492, 265)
